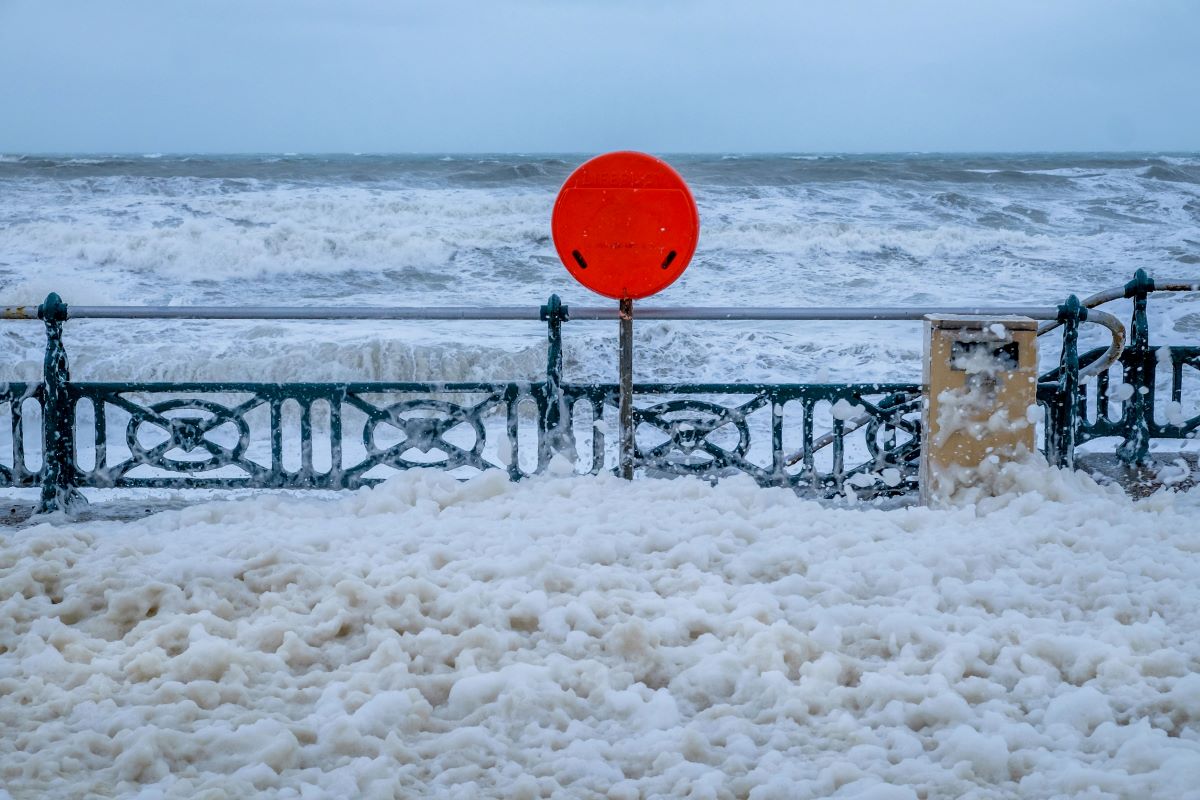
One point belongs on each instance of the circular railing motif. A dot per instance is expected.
(425, 433)
(894, 437)
(188, 433)
(688, 424)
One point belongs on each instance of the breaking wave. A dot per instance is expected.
(283, 229)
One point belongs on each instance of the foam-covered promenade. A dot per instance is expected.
(587, 637)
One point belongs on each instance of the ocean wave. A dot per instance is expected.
(413, 247)
(1179, 173)
(280, 351)
(233, 235)
(801, 236)
(501, 173)
(433, 244)
(826, 230)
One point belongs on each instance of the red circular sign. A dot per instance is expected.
(625, 225)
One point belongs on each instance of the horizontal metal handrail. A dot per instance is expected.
(534, 313)
(1125, 292)
(498, 313)
(811, 313)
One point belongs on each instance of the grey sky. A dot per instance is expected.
(586, 75)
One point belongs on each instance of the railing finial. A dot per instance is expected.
(1072, 311)
(554, 310)
(1142, 284)
(53, 309)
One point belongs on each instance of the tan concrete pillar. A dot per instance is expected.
(981, 398)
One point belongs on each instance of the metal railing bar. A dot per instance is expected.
(1122, 292)
(750, 313)
(810, 313)
(527, 313)
(316, 390)
(531, 313)
(534, 313)
(1115, 347)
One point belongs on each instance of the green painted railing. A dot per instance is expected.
(233, 435)
(1130, 410)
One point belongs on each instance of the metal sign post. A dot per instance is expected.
(625, 369)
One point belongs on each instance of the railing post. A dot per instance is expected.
(627, 449)
(1064, 413)
(58, 418)
(1139, 372)
(556, 421)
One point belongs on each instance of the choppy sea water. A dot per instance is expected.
(426, 230)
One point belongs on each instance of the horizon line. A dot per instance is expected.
(352, 153)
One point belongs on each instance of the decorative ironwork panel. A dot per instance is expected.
(14, 397)
(206, 439)
(1140, 403)
(876, 427)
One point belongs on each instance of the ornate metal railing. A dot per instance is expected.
(1130, 410)
(820, 438)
